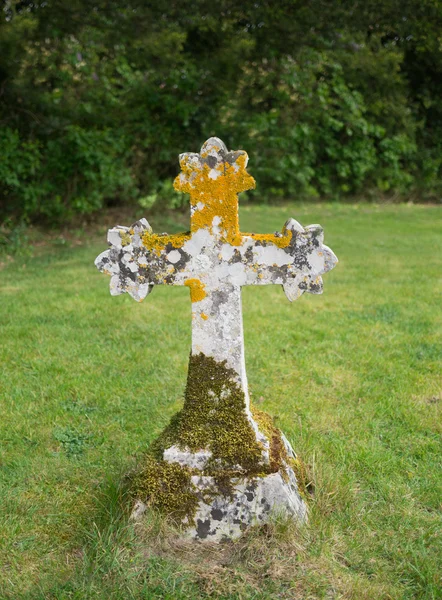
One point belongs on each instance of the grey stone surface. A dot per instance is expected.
(254, 500)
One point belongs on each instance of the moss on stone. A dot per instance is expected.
(213, 418)
(278, 452)
(279, 457)
(223, 484)
(305, 486)
(166, 487)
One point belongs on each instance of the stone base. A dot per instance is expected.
(225, 510)
(251, 501)
(223, 506)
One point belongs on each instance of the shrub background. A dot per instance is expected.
(330, 99)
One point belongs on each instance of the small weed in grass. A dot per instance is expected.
(78, 408)
(73, 442)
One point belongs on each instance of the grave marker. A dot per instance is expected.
(219, 466)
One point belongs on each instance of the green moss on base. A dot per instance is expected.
(278, 452)
(305, 485)
(166, 487)
(214, 418)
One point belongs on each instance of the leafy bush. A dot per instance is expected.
(74, 173)
(97, 102)
(20, 166)
(319, 136)
(14, 239)
(164, 195)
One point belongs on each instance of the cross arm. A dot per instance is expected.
(138, 259)
(296, 257)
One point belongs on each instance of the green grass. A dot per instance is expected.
(353, 377)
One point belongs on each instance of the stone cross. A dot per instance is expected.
(217, 431)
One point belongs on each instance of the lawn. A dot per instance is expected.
(354, 378)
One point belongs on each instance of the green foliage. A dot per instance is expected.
(74, 173)
(14, 239)
(164, 195)
(320, 136)
(96, 102)
(20, 165)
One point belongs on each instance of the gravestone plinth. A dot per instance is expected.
(220, 465)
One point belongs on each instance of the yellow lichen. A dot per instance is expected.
(204, 316)
(282, 241)
(157, 242)
(219, 196)
(197, 291)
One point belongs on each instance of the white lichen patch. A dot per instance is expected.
(184, 457)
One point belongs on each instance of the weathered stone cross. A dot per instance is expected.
(217, 432)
